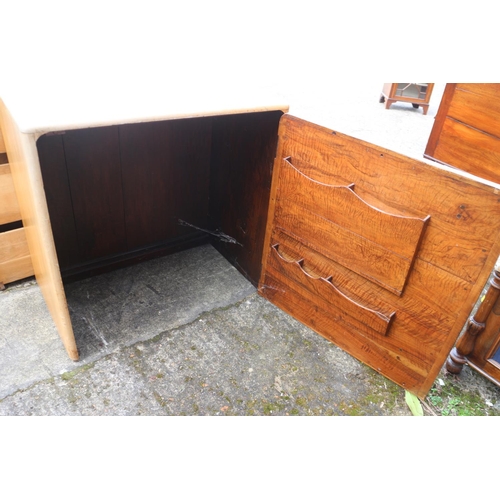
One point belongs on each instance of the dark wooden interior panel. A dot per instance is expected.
(243, 149)
(95, 179)
(166, 171)
(116, 194)
(58, 195)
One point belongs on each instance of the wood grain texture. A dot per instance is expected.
(469, 149)
(15, 259)
(376, 244)
(58, 194)
(453, 259)
(25, 167)
(242, 156)
(9, 207)
(400, 185)
(350, 308)
(466, 132)
(95, 180)
(478, 106)
(166, 171)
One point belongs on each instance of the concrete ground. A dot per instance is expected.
(186, 334)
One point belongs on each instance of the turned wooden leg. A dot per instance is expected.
(465, 345)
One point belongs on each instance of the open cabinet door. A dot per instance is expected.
(381, 254)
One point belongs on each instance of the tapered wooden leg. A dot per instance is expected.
(388, 103)
(465, 345)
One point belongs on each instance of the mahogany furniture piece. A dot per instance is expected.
(382, 254)
(417, 94)
(479, 346)
(466, 131)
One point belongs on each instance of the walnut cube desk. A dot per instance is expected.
(381, 254)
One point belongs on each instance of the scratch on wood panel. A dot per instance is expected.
(218, 234)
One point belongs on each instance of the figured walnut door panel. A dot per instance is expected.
(334, 219)
(382, 254)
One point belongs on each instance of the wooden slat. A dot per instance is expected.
(9, 208)
(27, 178)
(15, 260)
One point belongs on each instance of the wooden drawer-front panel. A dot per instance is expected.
(15, 260)
(296, 271)
(469, 149)
(336, 222)
(477, 106)
(9, 208)
(466, 131)
(381, 254)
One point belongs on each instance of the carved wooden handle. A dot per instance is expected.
(376, 320)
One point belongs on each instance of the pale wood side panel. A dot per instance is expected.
(25, 167)
(9, 208)
(15, 260)
(2, 143)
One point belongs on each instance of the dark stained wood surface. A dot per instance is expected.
(165, 170)
(95, 180)
(117, 194)
(457, 251)
(58, 195)
(243, 150)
